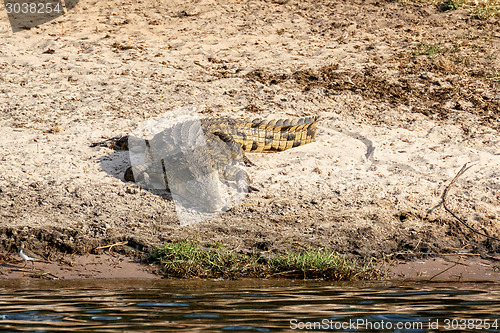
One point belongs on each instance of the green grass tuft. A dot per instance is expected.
(452, 5)
(495, 76)
(319, 264)
(486, 9)
(188, 259)
(430, 50)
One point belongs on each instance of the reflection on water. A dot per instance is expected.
(248, 305)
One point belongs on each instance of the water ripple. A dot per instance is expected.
(261, 306)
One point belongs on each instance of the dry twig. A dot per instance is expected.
(445, 193)
(111, 246)
(437, 274)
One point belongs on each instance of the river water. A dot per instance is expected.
(247, 306)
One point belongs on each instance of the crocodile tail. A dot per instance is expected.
(277, 135)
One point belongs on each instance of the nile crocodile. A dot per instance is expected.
(194, 149)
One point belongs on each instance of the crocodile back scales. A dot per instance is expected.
(264, 135)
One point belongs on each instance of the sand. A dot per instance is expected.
(406, 94)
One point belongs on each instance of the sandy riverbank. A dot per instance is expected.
(406, 94)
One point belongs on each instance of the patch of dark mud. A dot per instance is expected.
(418, 86)
(470, 238)
(50, 242)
